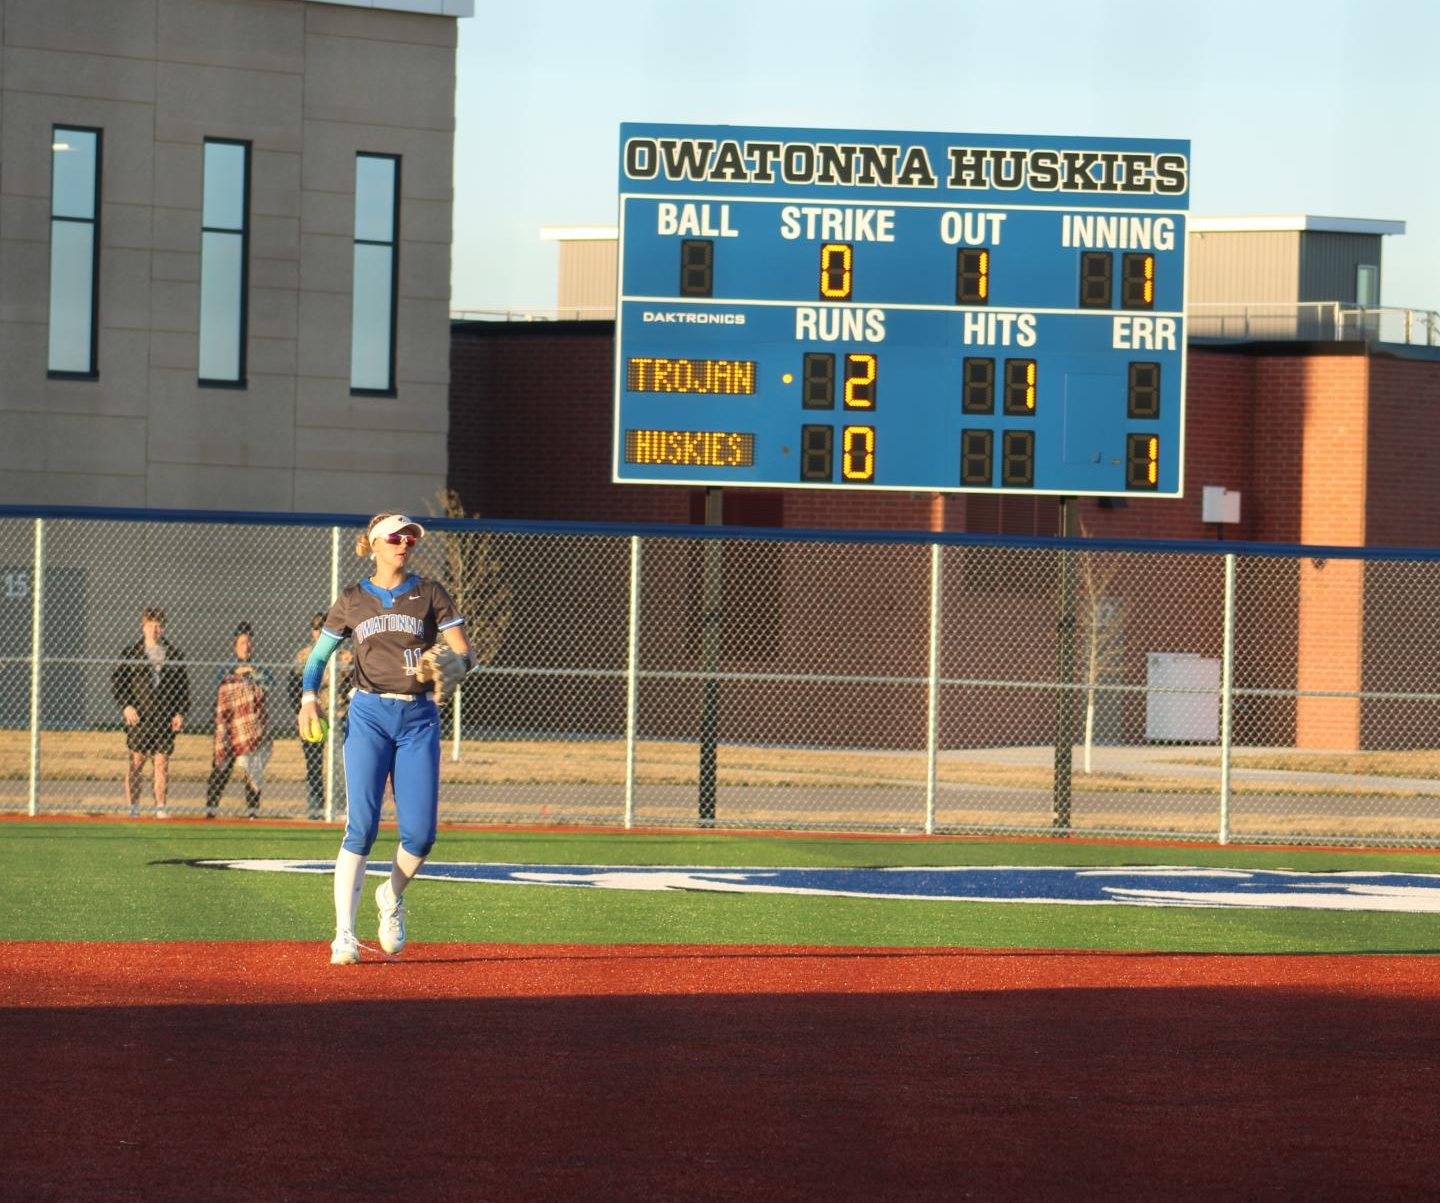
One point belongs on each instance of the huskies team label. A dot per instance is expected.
(1416, 893)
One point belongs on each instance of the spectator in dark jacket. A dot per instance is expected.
(152, 689)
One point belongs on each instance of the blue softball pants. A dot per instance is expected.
(390, 739)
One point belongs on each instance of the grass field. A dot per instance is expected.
(122, 881)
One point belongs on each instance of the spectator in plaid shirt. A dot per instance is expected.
(242, 725)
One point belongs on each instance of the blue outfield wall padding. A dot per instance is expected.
(670, 530)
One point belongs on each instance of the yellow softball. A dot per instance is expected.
(315, 732)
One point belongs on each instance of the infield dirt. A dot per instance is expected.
(507, 1072)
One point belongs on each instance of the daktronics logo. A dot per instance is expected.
(1412, 893)
(683, 317)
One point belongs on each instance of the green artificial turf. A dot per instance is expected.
(68, 880)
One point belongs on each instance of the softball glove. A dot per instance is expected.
(444, 668)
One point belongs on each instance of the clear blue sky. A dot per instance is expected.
(1292, 106)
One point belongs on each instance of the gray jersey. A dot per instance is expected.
(390, 629)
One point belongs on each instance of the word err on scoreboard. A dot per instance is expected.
(900, 310)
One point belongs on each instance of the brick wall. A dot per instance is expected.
(1403, 504)
(1402, 644)
(1325, 443)
(530, 437)
(530, 426)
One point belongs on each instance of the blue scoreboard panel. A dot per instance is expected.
(806, 308)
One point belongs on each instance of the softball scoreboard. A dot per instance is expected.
(805, 308)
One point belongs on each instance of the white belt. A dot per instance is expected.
(399, 697)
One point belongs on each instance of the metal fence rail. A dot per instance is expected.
(654, 676)
(1323, 321)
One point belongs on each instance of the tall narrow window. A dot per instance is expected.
(372, 328)
(74, 249)
(1367, 284)
(224, 262)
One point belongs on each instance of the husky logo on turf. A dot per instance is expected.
(1150, 886)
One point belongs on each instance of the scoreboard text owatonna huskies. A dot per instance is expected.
(878, 310)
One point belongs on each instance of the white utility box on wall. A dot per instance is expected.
(1182, 717)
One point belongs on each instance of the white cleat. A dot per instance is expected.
(392, 919)
(345, 949)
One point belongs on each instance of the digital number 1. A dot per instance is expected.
(972, 275)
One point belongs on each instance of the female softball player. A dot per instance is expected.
(394, 620)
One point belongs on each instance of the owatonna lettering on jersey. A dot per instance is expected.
(391, 628)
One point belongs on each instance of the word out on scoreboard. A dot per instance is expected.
(929, 312)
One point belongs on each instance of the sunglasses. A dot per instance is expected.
(408, 540)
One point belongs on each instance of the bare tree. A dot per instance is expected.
(1102, 629)
(475, 578)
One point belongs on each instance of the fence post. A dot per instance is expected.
(1064, 674)
(37, 595)
(711, 632)
(632, 680)
(932, 701)
(1227, 682)
(334, 680)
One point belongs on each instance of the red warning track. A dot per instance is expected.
(251, 1070)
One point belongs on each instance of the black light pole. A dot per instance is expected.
(1064, 672)
(710, 635)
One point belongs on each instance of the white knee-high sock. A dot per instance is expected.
(407, 864)
(349, 881)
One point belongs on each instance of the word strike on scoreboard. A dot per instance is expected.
(913, 311)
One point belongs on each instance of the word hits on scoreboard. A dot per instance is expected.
(912, 311)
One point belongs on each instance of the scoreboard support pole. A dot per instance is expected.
(1065, 672)
(711, 632)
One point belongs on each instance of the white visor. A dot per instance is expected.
(393, 524)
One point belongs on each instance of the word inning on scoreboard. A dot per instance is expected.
(915, 311)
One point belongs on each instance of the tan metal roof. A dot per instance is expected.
(1296, 222)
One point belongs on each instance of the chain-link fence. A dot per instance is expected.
(761, 679)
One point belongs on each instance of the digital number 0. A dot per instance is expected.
(857, 445)
(836, 277)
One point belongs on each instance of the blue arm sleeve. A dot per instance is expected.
(319, 656)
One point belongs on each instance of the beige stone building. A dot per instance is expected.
(225, 233)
